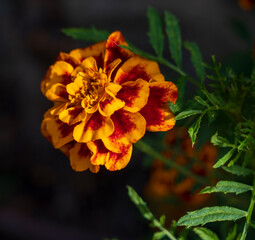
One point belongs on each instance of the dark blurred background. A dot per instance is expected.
(41, 197)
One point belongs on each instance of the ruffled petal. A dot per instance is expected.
(68, 58)
(100, 154)
(110, 105)
(96, 51)
(129, 128)
(95, 127)
(113, 51)
(57, 132)
(57, 93)
(138, 67)
(156, 112)
(90, 64)
(135, 95)
(72, 115)
(60, 72)
(80, 158)
(118, 161)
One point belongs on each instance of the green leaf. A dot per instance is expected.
(87, 34)
(193, 130)
(232, 233)
(205, 233)
(201, 101)
(181, 85)
(228, 187)
(196, 59)
(217, 140)
(211, 214)
(224, 159)
(187, 113)
(155, 31)
(174, 37)
(158, 235)
(140, 204)
(238, 170)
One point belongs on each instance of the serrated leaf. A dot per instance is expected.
(201, 101)
(205, 233)
(193, 130)
(196, 59)
(174, 37)
(155, 31)
(224, 159)
(211, 214)
(238, 170)
(187, 113)
(228, 187)
(139, 203)
(87, 34)
(217, 140)
(181, 85)
(232, 233)
(158, 235)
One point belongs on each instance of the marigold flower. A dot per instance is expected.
(105, 98)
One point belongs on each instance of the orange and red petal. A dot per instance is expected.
(100, 154)
(118, 161)
(60, 72)
(68, 58)
(135, 94)
(73, 115)
(96, 51)
(156, 112)
(93, 128)
(129, 128)
(138, 67)
(57, 132)
(57, 93)
(111, 104)
(80, 158)
(113, 51)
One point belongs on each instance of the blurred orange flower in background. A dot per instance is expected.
(246, 5)
(105, 98)
(167, 186)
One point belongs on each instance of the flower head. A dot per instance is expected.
(105, 98)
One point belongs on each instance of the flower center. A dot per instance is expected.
(88, 88)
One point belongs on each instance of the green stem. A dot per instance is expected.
(157, 224)
(142, 146)
(249, 213)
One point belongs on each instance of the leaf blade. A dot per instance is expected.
(228, 187)
(196, 59)
(174, 37)
(211, 214)
(155, 31)
(87, 34)
(224, 159)
(205, 233)
(187, 113)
